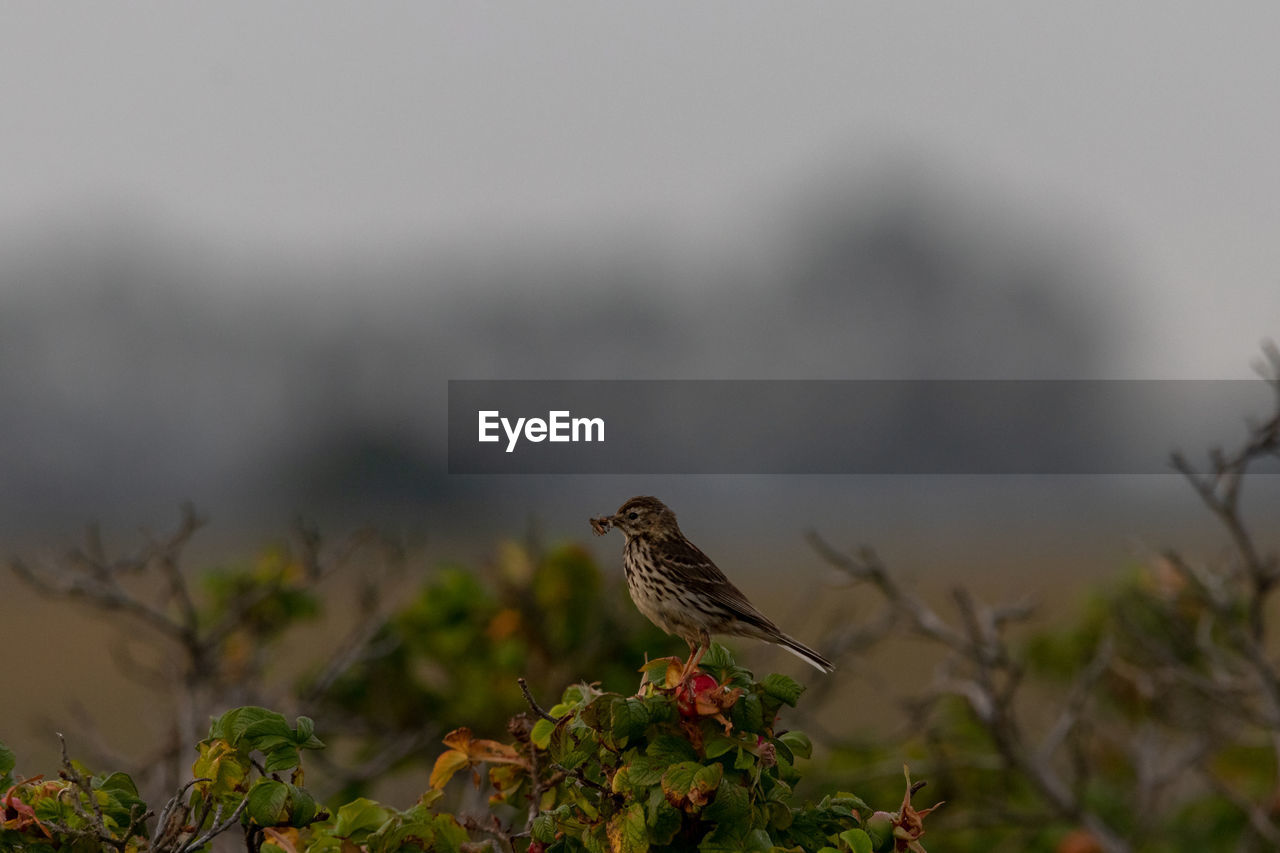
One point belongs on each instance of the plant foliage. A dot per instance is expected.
(701, 764)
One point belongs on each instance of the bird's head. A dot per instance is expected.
(640, 516)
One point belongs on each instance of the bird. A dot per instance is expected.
(682, 591)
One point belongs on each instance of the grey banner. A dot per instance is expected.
(841, 426)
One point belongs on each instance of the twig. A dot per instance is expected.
(537, 709)
(173, 815)
(1077, 699)
(73, 775)
(985, 674)
(491, 827)
(216, 829)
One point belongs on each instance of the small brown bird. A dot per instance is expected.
(681, 590)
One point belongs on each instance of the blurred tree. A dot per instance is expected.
(1152, 723)
(400, 676)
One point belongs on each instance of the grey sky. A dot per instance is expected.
(299, 128)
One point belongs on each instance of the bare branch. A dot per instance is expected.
(1077, 699)
(537, 709)
(218, 827)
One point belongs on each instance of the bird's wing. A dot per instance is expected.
(695, 571)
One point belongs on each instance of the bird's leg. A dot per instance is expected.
(704, 643)
(688, 662)
(696, 651)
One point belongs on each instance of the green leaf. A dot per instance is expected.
(670, 749)
(305, 734)
(690, 783)
(541, 734)
(717, 745)
(544, 828)
(325, 844)
(586, 802)
(450, 836)
(302, 807)
(642, 772)
(661, 708)
(782, 752)
(656, 670)
(593, 838)
(723, 839)
(798, 742)
(707, 779)
(117, 797)
(756, 841)
(595, 713)
(845, 800)
(626, 831)
(779, 792)
(781, 687)
(118, 782)
(267, 800)
(561, 740)
(281, 757)
(418, 828)
(404, 835)
(808, 829)
(732, 806)
(233, 724)
(664, 819)
(747, 714)
(223, 765)
(630, 717)
(679, 778)
(566, 750)
(780, 815)
(717, 657)
(268, 733)
(787, 771)
(358, 819)
(857, 840)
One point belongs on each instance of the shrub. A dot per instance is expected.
(701, 765)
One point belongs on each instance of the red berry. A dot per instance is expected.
(687, 693)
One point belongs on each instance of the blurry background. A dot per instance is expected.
(243, 247)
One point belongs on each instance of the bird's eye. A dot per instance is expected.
(633, 515)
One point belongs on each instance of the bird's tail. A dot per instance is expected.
(805, 653)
